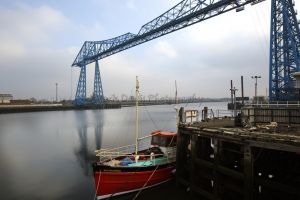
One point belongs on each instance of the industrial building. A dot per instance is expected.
(5, 98)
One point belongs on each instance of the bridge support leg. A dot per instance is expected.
(284, 51)
(98, 91)
(80, 98)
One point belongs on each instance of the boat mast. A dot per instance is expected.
(176, 102)
(137, 115)
(176, 98)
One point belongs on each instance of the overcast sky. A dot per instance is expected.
(40, 39)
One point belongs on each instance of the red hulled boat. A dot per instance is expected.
(126, 169)
(133, 172)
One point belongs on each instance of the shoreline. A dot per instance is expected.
(55, 107)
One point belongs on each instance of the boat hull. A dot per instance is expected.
(121, 180)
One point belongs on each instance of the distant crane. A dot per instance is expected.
(185, 13)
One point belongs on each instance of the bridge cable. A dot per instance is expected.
(257, 29)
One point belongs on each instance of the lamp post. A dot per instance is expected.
(233, 90)
(256, 77)
(56, 85)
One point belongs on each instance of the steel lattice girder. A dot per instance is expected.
(184, 14)
(284, 51)
(98, 91)
(80, 98)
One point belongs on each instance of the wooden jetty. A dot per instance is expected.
(248, 157)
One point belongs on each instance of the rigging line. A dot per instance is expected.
(95, 197)
(129, 119)
(151, 118)
(139, 192)
(165, 125)
(168, 121)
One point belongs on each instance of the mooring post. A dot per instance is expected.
(205, 113)
(180, 151)
(248, 173)
(193, 169)
(216, 182)
(242, 89)
(231, 87)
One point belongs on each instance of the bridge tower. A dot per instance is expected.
(80, 98)
(284, 51)
(98, 97)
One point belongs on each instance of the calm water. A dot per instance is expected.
(48, 155)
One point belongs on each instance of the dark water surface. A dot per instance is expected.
(48, 155)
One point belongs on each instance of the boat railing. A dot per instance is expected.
(123, 151)
(110, 154)
(106, 155)
(171, 157)
(155, 158)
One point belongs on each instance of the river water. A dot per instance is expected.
(48, 155)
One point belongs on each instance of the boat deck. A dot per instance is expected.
(156, 161)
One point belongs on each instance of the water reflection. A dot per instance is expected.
(87, 143)
(48, 155)
(99, 123)
(5, 183)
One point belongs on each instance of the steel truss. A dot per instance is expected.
(284, 51)
(98, 97)
(80, 98)
(185, 13)
(284, 47)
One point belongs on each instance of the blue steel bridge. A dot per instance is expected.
(284, 43)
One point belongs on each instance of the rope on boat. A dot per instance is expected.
(95, 197)
(139, 192)
(151, 118)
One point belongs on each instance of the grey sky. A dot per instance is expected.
(40, 39)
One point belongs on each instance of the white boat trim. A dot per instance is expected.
(129, 191)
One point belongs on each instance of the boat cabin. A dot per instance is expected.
(165, 142)
(163, 139)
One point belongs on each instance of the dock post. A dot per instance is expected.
(242, 90)
(217, 151)
(181, 154)
(248, 173)
(193, 168)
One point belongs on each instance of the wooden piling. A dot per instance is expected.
(235, 163)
